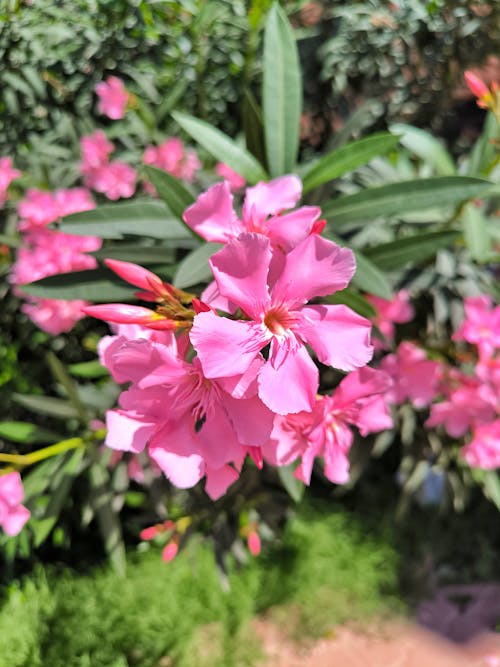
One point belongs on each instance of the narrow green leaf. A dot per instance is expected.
(404, 197)
(89, 370)
(291, 484)
(491, 482)
(145, 255)
(281, 93)
(354, 300)
(425, 146)
(61, 375)
(171, 190)
(139, 218)
(484, 150)
(107, 518)
(410, 250)
(476, 233)
(194, 268)
(94, 285)
(222, 147)
(348, 158)
(370, 278)
(46, 405)
(26, 433)
(253, 127)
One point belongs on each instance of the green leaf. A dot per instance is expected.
(425, 146)
(410, 250)
(171, 190)
(484, 150)
(60, 485)
(194, 268)
(95, 285)
(491, 483)
(253, 128)
(354, 300)
(476, 233)
(26, 433)
(61, 375)
(107, 519)
(90, 370)
(404, 197)
(370, 278)
(139, 218)
(145, 255)
(348, 158)
(294, 487)
(222, 147)
(281, 93)
(47, 405)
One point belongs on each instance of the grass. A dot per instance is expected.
(326, 570)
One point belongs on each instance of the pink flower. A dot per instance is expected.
(115, 179)
(171, 156)
(415, 377)
(96, 149)
(113, 97)
(395, 311)
(481, 326)
(475, 85)
(39, 208)
(7, 175)
(484, 449)
(236, 182)
(170, 551)
(212, 215)
(13, 515)
(254, 544)
(326, 431)
(272, 291)
(466, 406)
(54, 316)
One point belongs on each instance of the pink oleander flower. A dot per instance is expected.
(272, 291)
(486, 98)
(326, 431)
(236, 182)
(96, 149)
(113, 97)
(483, 451)
(39, 208)
(54, 316)
(481, 326)
(415, 377)
(7, 175)
(212, 215)
(254, 543)
(173, 157)
(396, 311)
(470, 404)
(13, 515)
(115, 180)
(183, 417)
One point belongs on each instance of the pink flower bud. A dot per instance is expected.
(149, 533)
(475, 85)
(135, 274)
(123, 313)
(253, 541)
(170, 551)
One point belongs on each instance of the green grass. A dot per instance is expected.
(326, 570)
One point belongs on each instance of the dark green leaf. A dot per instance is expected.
(281, 93)
(404, 197)
(354, 300)
(95, 285)
(194, 268)
(89, 370)
(145, 255)
(476, 233)
(253, 128)
(61, 375)
(410, 250)
(491, 482)
(370, 278)
(46, 405)
(348, 158)
(25, 432)
(139, 218)
(171, 190)
(222, 147)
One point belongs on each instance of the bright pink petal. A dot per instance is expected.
(15, 520)
(287, 231)
(361, 383)
(288, 382)
(373, 416)
(134, 274)
(265, 199)
(251, 419)
(339, 336)
(218, 481)
(225, 347)
(175, 452)
(122, 313)
(316, 267)
(215, 430)
(212, 215)
(336, 462)
(126, 432)
(240, 270)
(11, 488)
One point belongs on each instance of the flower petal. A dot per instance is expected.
(266, 199)
(212, 215)
(339, 336)
(175, 452)
(127, 432)
(218, 480)
(287, 231)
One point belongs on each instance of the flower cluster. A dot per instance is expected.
(115, 179)
(46, 252)
(113, 97)
(172, 156)
(211, 381)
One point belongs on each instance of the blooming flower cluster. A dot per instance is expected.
(13, 515)
(115, 179)
(211, 381)
(46, 252)
(172, 156)
(113, 97)
(7, 175)
(465, 402)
